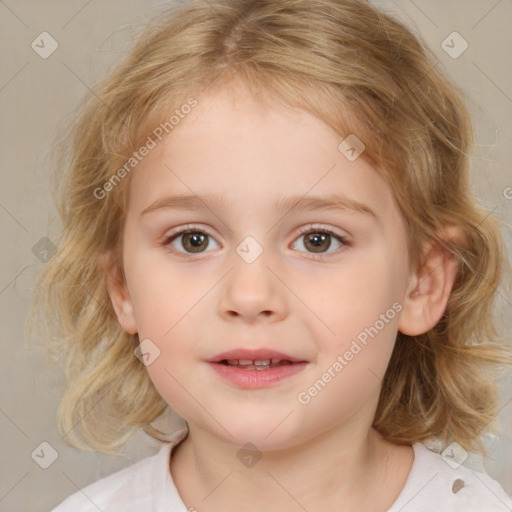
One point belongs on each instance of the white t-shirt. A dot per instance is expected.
(432, 485)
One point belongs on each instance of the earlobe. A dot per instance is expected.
(430, 289)
(119, 296)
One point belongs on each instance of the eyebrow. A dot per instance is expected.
(330, 202)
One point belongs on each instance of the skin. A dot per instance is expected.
(323, 455)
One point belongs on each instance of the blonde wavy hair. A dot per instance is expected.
(360, 71)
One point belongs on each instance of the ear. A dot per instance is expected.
(119, 295)
(430, 288)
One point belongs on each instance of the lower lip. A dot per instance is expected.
(252, 379)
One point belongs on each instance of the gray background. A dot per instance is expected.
(37, 95)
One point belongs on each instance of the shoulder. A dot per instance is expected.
(118, 491)
(440, 482)
(145, 485)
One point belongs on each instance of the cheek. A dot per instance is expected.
(361, 291)
(173, 385)
(161, 293)
(362, 309)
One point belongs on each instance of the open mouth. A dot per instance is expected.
(255, 364)
(250, 369)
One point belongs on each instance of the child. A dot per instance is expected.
(269, 229)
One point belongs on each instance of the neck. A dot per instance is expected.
(363, 472)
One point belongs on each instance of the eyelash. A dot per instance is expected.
(302, 231)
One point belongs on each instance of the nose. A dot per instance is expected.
(251, 292)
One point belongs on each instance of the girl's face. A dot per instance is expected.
(320, 284)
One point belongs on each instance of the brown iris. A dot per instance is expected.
(317, 242)
(195, 241)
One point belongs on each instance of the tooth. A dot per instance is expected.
(262, 362)
(244, 361)
(233, 362)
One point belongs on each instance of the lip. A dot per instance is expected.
(253, 379)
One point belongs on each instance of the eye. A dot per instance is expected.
(320, 240)
(189, 241)
(316, 241)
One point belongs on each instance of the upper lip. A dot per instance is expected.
(260, 354)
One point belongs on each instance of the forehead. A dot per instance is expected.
(235, 145)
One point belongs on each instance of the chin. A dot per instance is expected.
(265, 429)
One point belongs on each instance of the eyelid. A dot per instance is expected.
(184, 229)
(320, 228)
(176, 233)
(304, 229)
